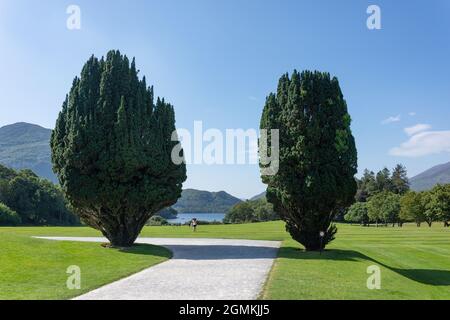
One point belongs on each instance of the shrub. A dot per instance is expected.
(157, 221)
(8, 217)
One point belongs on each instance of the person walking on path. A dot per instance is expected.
(194, 224)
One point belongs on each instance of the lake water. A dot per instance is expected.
(187, 217)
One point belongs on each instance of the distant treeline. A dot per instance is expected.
(251, 211)
(385, 198)
(26, 199)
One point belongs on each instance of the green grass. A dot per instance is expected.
(414, 262)
(255, 231)
(36, 269)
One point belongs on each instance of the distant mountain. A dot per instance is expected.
(204, 201)
(429, 178)
(27, 146)
(259, 196)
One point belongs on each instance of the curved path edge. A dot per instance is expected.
(200, 269)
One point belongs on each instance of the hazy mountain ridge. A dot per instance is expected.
(429, 178)
(258, 196)
(200, 201)
(27, 146)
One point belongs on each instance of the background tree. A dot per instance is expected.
(374, 209)
(240, 213)
(251, 211)
(367, 186)
(384, 181)
(391, 207)
(412, 208)
(440, 201)
(263, 210)
(358, 213)
(432, 210)
(317, 160)
(8, 217)
(399, 179)
(111, 149)
(37, 201)
(384, 207)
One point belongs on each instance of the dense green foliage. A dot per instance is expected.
(437, 204)
(157, 221)
(251, 211)
(198, 201)
(412, 207)
(388, 200)
(36, 201)
(371, 184)
(8, 217)
(27, 146)
(317, 160)
(358, 213)
(384, 207)
(111, 149)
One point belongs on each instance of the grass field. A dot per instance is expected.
(36, 269)
(414, 262)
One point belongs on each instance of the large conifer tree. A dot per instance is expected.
(317, 160)
(111, 149)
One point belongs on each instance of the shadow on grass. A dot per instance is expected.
(147, 249)
(212, 252)
(425, 276)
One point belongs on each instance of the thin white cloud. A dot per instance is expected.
(391, 120)
(423, 144)
(252, 98)
(410, 131)
(412, 114)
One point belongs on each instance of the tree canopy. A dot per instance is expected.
(251, 211)
(111, 149)
(384, 207)
(317, 155)
(36, 201)
(8, 217)
(358, 213)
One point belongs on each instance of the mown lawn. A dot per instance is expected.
(36, 269)
(414, 262)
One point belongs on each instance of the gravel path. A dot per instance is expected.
(200, 269)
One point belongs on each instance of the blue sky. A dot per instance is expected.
(217, 60)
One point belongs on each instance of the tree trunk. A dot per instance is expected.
(123, 231)
(311, 239)
(123, 238)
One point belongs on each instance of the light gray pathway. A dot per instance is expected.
(200, 269)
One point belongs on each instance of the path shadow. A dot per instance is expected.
(220, 252)
(213, 252)
(424, 276)
(146, 249)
